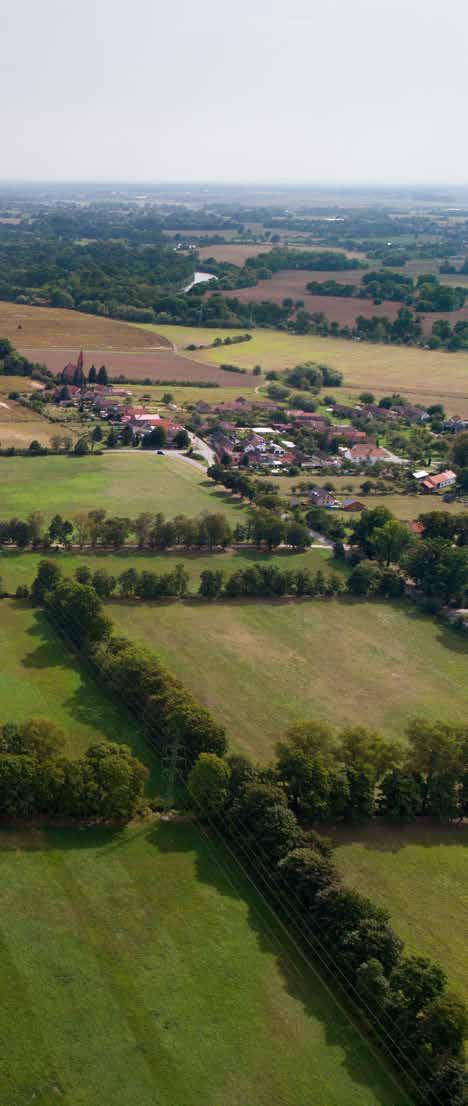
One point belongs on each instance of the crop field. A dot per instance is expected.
(39, 678)
(262, 666)
(121, 483)
(42, 328)
(159, 364)
(137, 969)
(341, 309)
(422, 375)
(18, 384)
(418, 872)
(20, 568)
(234, 252)
(19, 426)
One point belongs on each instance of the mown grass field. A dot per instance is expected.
(431, 375)
(40, 678)
(49, 327)
(262, 666)
(133, 972)
(121, 483)
(419, 873)
(20, 568)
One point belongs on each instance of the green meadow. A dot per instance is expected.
(262, 666)
(122, 483)
(20, 568)
(135, 969)
(39, 677)
(419, 873)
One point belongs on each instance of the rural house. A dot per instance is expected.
(439, 481)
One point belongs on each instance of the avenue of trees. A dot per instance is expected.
(266, 816)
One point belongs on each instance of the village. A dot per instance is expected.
(392, 444)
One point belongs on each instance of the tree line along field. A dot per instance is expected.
(144, 939)
(133, 971)
(262, 666)
(423, 375)
(341, 309)
(39, 678)
(121, 483)
(19, 569)
(418, 873)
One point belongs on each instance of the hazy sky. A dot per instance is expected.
(266, 90)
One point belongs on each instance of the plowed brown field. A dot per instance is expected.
(341, 309)
(161, 364)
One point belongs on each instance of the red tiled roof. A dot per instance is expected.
(440, 478)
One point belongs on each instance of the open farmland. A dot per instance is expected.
(422, 375)
(122, 483)
(340, 309)
(234, 252)
(19, 426)
(48, 327)
(159, 364)
(39, 678)
(262, 666)
(418, 873)
(134, 971)
(20, 568)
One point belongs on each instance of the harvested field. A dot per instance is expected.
(340, 309)
(47, 327)
(19, 426)
(234, 252)
(430, 376)
(159, 364)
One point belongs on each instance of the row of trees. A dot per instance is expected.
(254, 808)
(260, 813)
(98, 529)
(107, 783)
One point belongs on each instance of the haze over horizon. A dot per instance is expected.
(368, 94)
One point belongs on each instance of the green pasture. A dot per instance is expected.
(40, 678)
(134, 972)
(419, 873)
(262, 666)
(122, 483)
(20, 568)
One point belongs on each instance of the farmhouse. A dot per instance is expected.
(320, 497)
(370, 455)
(439, 481)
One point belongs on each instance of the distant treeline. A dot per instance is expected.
(427, 294)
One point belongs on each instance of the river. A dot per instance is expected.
(199, 278)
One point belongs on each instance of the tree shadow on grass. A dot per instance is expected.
(215, 867)
(447, 635)
(383, 836)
